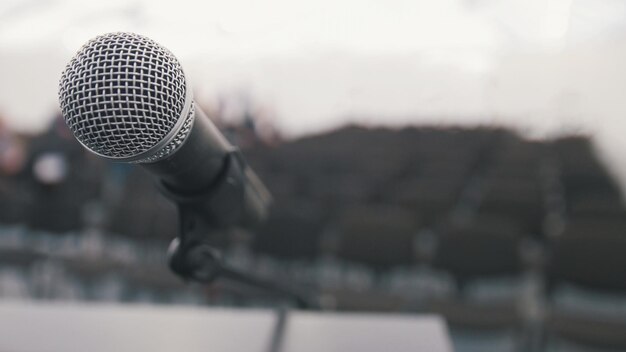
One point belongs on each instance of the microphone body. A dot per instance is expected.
(126, 98)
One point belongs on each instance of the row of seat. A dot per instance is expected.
(499, 209)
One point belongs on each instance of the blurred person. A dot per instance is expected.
(12, 155)
(12, 160)
(62, 177)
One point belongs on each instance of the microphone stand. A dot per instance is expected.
(194, 256)
(201, 262)
(202, 216)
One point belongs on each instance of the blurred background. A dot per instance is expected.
(457, 157)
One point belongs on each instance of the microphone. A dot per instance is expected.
(127, 99)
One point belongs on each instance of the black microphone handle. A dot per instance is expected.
(195, 165)
(212, 173)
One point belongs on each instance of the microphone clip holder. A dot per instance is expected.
(220, 205)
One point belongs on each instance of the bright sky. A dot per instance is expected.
(354, 46)
(541, 65)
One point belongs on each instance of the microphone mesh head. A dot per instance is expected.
(122, 94)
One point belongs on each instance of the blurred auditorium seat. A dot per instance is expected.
(506, 164)
(370, 300)
(576, 151)
(469, 256)
(379, 235)
(600, 224)
(293, 231)
(54, 209)
(142, 212)
(491, 223)
(518, 198)
(56, 204)
(457, 166)
(20, 258)
(14, 200)
(586, 289)
(431, 198)
(128, 279)
(595, 202)
(334, 189)
(588, 178)
(487, 268)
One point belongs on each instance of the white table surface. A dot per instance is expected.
(63, 327)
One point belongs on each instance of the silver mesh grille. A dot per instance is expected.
(175, 142)
(122, 94)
